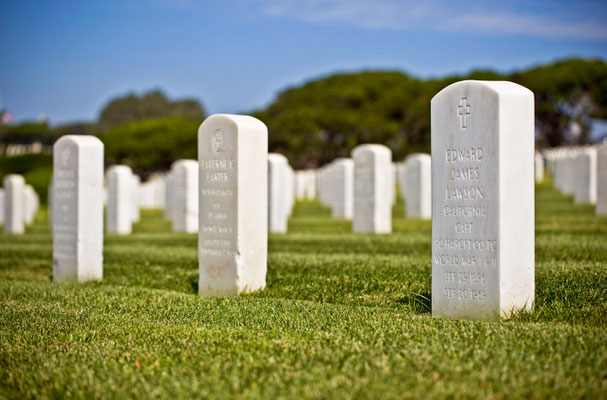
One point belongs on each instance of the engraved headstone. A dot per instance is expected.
(77, 208)
(372, 205)
(342, 171)
(233, 229)
(601, 180)
(482, 138)
(418, 189)
(277, 193)
(119, 216)
(185, 196)
(14, 187)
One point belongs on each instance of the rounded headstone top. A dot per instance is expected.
(494, 87)
(372, 148)
(277, 158)
(240, 121)
(80, 140)
(184, 162)
(120, 169)
(417, 156)
(14, 178)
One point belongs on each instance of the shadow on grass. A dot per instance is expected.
(420, 303)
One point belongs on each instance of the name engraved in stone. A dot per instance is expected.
(217, 229)
(455, 260)
(218, 192)
(464, 193)
(468, 154)
(464, 211)
(466, 244)
(464, 174)
(218, 163)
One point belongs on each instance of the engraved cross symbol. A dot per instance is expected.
(463, 110)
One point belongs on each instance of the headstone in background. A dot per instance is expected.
(277, 193)
(342, 188)
(601, 179)
(77, 208)
(14, 199)
(119, 217)
(168, 196)
(539, 167)
(233, 228)
(372, 205)
(135, 197)
(585, 176)
(185, 196)
(32, 203)
(483, 216)
(418, 186)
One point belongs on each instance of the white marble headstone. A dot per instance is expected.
(185, 196)
(342, 171)
(233, 229)
(372, 203)
(418, 186)
(77, 208)
(482, 200)
(14, 187)
(601, 180)
(539, 167)
(119, 216)
(277, 193)
(585, 176)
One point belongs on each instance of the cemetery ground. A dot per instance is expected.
(343, 315)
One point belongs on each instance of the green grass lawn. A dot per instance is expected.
(343, 315)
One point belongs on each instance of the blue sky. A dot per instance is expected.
(67, 58)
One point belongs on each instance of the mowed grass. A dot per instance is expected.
(343, 316)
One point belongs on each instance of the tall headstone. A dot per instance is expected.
(277, 193)
(185, 196)
(14, 187)
(120, 202)
(77, 208)
(601, 180)
(372, 205)
(585, 176)
(482, 138)
(418, 189)
(342, 188)
(233, 229)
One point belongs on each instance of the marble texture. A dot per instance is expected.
(482, 139)
(233, 204)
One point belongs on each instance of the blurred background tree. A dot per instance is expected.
(320, 120)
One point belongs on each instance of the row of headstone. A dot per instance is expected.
(305, 184)
(579, 171)
(482, 177)
(152, 193)
(19, 204)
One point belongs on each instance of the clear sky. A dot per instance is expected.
(67, 58)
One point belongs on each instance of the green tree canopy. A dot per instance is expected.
(153, 104)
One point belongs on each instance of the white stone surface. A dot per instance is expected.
(342, 203)
(14, 197)
(418, 186)
(32, 203)
(483, 200)
(585, 176)
(233, 235)
(185, 196)
(539, 167)
(278, 214)
(601, 179)
(168, 196)
(372, 205)
(119, 216)
(77, 208)
(392, 185)
(135, 197)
